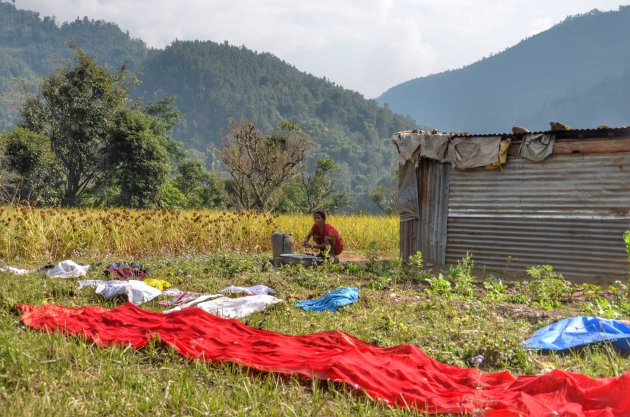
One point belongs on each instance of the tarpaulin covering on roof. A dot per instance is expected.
(579, 331)
(401, 375)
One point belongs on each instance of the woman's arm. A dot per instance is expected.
(308, 236)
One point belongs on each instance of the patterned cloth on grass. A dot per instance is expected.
(124, 270)
(180, 298)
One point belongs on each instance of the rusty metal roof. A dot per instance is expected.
(573, 133)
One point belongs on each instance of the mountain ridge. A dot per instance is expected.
(516, 85)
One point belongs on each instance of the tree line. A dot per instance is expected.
(214, 83)
(82, 141)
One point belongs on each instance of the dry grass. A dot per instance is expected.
(53, 234)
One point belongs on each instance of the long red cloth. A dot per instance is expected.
(401, 375)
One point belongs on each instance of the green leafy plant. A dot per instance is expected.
(547, 287)
(605, 307)
(416, 267)
(416, 262)
(462, 276)
(618, 290)
(379, 283)
(602, 307)
(372, 253)
(439, 285)
(495, 290)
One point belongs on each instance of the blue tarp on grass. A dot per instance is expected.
(331, 301)
(580, 331)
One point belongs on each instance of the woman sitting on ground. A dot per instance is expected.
(325, 237)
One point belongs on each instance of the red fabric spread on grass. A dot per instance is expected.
(401, 375)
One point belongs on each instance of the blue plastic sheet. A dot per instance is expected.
(331, 301)
(580, 331)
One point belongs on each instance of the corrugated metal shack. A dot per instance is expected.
(560, 198)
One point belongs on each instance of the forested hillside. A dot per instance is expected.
(212, 84)
(32, 46)
(576, 72)
(215, 82)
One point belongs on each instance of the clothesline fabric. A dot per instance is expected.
(401, 375)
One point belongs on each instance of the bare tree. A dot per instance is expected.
(260, 165)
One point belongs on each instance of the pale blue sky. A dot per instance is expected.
(364, 45)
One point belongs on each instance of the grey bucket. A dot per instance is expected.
(281, 243)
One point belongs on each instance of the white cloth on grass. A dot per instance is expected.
(67, 269)
(136, 291)
(14, 271)
(238, 307)
(89, 283)
(229, 307)
(254, 289)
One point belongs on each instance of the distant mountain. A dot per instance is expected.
(212, 83)
(576, 72)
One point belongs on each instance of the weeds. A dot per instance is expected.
(495, 291)
(439, 286)
(547, 287)
(611, 308)
(462, 276)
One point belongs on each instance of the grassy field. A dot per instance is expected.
(448, 314)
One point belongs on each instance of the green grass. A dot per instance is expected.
(53, 375)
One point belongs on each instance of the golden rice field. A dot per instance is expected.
(55, 233)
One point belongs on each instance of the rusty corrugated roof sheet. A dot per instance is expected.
(612, 132)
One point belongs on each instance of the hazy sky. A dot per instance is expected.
(364, 45)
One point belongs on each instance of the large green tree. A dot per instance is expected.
(137, 159)
(200, 187)
(318, 190)
(31, 166)
(76, 107)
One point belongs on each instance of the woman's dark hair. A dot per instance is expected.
(321, 213)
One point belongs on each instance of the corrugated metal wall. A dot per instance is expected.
(569, 211)
(428, 232)
(408, 241)
(433, 189)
